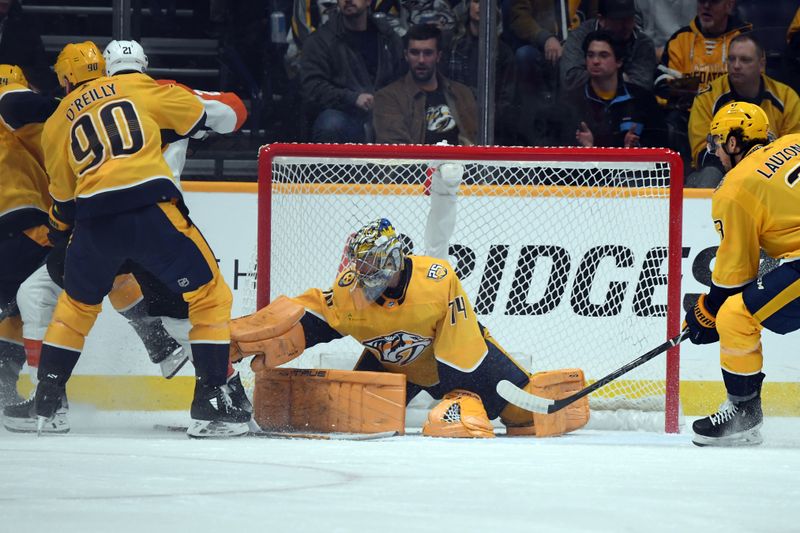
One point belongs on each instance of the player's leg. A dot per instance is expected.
(771, 302)
(21, 254)
(131, 299)
(89, 272)
(179, 256)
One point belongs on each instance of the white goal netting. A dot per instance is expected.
(568, 255)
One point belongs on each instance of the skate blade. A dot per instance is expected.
(57, 425)
(211, 429)
(173, 363)
(751, 437)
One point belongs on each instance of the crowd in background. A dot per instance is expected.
(623, 73)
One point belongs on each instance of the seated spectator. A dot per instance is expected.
(606, 110)
(461, 65)
(745, 82)
(21, 44)
(343, 63)
(424, 107)
(697, 54)
(792, 56)
(618, 18)
(659, 19)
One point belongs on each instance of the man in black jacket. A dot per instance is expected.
(606, 111)
(344, 62)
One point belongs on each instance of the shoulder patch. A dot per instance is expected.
(437, 272)
(347, 278)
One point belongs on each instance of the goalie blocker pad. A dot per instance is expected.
(328, 401)
(273, 335)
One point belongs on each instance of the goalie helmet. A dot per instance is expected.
(748, 122)
(12, 74)
(122, 56)
(376, 255)
(79, 62)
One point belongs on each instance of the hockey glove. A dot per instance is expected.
(701, 323)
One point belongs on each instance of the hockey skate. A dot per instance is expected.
(9, 373)
(22, 418)
(215, 413)
(735, 424)
(161, 347)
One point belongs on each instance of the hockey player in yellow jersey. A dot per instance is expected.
(111, 184)
(754, 208)
(24, 202)
(412, 316)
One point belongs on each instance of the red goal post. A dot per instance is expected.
(571, 256)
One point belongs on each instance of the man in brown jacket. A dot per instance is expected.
(424, 107)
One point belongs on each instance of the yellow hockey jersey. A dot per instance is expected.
(694, 54)
(431, 321)
(24, 198)
(755, 207)
(103, 143)
(780, 102)
(794, 27)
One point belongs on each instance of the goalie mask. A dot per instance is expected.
(123, 56)
(376, 255)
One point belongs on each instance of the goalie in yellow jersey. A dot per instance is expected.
(754, 208)
(412, 316)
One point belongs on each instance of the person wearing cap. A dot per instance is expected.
(618, 18)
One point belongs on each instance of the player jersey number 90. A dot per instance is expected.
(114, 132)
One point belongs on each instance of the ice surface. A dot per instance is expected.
(116, 473)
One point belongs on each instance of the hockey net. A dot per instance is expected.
(571, 256)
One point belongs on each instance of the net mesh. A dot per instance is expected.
(565, 261)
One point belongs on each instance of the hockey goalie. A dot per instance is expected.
(417, 328)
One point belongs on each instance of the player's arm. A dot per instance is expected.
(179, 113)
(20, 107)
(459, 342)
(63, 181)
(225, 111)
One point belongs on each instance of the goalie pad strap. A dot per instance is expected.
(325, 401)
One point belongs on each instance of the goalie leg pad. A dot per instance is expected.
(554, 384)
(273, 332)
(460, 414)
(326, 401)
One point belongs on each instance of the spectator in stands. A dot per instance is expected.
(695, 56)
(792, 56)
(424, 107)
(461, 65)
(659, 19)
(745, 82)
(343, 63)
(606, 110)
(21, 44)
(618, 18)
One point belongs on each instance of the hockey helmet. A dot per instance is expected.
(748, 122)
(12, 74)
(79, 62)
(121, 56)
(376, 254)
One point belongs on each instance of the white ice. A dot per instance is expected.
(116, 473)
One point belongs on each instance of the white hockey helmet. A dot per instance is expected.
(124, 55)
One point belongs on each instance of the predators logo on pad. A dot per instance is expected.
(399, 348)
(437, 272)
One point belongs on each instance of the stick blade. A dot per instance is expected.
(513, 394)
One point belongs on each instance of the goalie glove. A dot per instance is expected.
(701, 323)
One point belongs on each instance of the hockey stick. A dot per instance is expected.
(530, 402)
(295, 434)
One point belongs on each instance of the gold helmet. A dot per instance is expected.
(12, 74)
(747, 121)
(79, 62)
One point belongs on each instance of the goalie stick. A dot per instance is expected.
(536, 404)
(295, 434)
